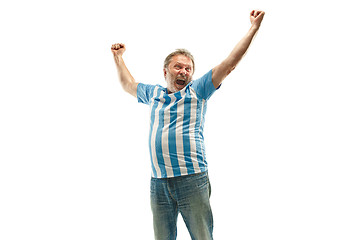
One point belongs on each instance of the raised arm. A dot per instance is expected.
(225, 67)
(126, 79)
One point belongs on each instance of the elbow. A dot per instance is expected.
(130, 87)
(126, 86)
(230, 69)
(231, 64)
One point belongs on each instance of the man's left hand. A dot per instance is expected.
(256, 18)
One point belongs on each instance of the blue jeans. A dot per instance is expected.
(188, 195)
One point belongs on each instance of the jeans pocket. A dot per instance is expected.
(203, 182)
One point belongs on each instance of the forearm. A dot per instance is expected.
(125, 78)
(225, 67)
(241, 48)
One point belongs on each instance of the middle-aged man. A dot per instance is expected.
(180, 181)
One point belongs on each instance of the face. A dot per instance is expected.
(179, 73)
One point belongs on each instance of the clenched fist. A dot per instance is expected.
(256, 17)
(118, 49)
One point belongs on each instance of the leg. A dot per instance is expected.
(164, 209)
(194, 206)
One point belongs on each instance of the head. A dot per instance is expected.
(178, 69)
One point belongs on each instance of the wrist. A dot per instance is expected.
(118, 59)
(255, 27)
(117, 56)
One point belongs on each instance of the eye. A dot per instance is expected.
(188, 69)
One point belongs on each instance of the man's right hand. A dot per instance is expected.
(118, 49)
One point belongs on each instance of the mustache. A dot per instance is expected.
(182, 77)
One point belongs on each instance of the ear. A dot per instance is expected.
(165, 72)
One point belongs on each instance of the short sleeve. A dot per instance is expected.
(204, 86)
(145, 93)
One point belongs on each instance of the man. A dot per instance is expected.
(180, 182)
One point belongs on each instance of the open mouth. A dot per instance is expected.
(180, 82)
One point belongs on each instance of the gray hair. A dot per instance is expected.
(180, 51)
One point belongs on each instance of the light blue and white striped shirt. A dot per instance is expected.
(176, 138)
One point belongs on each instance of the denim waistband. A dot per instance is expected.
(182, 178)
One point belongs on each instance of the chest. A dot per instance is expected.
(181, 105)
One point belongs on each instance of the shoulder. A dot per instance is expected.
(204, 86)
(147, 91)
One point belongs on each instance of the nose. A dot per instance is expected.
(182, 71)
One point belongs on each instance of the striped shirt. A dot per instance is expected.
(176, 140)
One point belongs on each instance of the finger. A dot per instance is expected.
(118, 46)
(261, 13)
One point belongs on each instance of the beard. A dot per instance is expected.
(176, 83)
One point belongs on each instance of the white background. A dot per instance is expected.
(282, 134)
